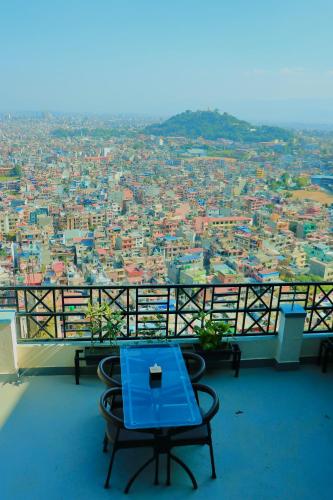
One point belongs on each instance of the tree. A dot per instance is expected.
(10, 236)
(302, 182)
(17, 171)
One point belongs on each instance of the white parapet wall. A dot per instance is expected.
(58, 355)
(286, 348)
(55, 355)
(46, 355)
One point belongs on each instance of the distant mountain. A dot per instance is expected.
(214, 125)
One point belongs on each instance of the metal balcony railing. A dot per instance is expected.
(58, 312)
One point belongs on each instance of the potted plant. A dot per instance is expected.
(214, 338)
(104, 324)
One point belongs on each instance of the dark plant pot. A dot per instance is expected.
(222, 353)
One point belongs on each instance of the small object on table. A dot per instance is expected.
(155, 376)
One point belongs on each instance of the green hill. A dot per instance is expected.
(214, 125)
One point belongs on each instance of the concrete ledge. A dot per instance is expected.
(317, 336)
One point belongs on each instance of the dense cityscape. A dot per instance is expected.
(99, 200)
(166, 250)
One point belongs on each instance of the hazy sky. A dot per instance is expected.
(260, 59)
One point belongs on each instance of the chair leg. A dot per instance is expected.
(212, 461)
(105, 443)
(107, 481)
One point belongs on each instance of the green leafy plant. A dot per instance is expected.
(212, 334)
(104, 322)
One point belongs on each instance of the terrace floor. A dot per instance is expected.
(273, 439)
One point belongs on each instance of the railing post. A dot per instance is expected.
(8, 353)
(290, 336)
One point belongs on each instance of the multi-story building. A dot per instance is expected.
(322, 269)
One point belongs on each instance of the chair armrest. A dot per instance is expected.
(103, 406)
(214, 408)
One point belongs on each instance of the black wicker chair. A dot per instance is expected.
(200, 434)
(160, 440)
(109, 371)
(195, 365)
(111, 408)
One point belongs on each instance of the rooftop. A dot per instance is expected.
(272, 440)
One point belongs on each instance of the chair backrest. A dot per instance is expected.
(195, 365)
(207, 415)
(105, 371)
(109, 402)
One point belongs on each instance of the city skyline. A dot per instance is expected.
(203, 199)
(262, 63)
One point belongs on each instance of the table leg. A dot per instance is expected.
(133, 478)
(186, 469)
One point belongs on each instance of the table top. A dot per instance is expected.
(173, 404)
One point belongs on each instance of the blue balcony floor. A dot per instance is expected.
(273, 439)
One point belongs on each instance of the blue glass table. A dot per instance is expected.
(173, 404)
